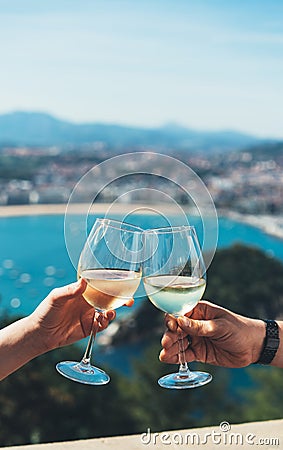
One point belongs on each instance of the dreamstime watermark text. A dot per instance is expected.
(221, 436)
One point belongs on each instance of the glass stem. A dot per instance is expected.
(88, 351)
(183, 368)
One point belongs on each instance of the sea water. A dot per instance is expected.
(34, 258)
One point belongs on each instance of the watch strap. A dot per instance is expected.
(271, 342)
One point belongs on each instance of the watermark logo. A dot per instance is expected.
(225, 426)
(223, 436)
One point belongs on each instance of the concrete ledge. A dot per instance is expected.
(266, 435)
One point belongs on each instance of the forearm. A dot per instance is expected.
(278, 358)
(18, 345)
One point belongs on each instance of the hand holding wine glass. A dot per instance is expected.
(110, 264)
(174, 279)
(218, 336)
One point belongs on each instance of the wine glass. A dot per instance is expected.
(174, 279)
(110, 264)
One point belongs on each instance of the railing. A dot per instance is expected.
(264, 435)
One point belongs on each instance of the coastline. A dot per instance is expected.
(97, 208)
(31, 210)
(269, 224)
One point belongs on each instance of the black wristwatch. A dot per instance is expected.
(271, 342)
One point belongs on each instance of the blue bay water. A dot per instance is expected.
(34, 259)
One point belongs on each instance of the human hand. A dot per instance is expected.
(64, 317)
(218, 336)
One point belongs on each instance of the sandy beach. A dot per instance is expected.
(31, 210)
(97, 208)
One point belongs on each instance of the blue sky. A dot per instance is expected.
(205, 64)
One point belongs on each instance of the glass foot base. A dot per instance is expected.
(184, 381)
(82, 373)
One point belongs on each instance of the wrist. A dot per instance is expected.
(38, 344)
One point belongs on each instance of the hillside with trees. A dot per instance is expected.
(38, 405)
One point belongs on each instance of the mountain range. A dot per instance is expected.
(42, 129)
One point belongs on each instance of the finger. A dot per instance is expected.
(104, 319)
(204, 328)
(96, 322)
(172, 356)
(129, 302)
(69, 291)
(103, 322)
(168, 358)
(110, 315)
(169, 339)
(189, 355)
(171, 322)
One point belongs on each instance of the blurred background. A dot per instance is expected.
(82, 82)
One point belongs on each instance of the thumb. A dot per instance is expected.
(69, 291)
(76, 288)
(197, 327)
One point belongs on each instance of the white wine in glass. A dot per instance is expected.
(110, 262)
(174, 294)
(174, 279)
(109, 288)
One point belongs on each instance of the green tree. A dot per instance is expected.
(264, 400)
(39, 405)
(160, 409)
(246, 281)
